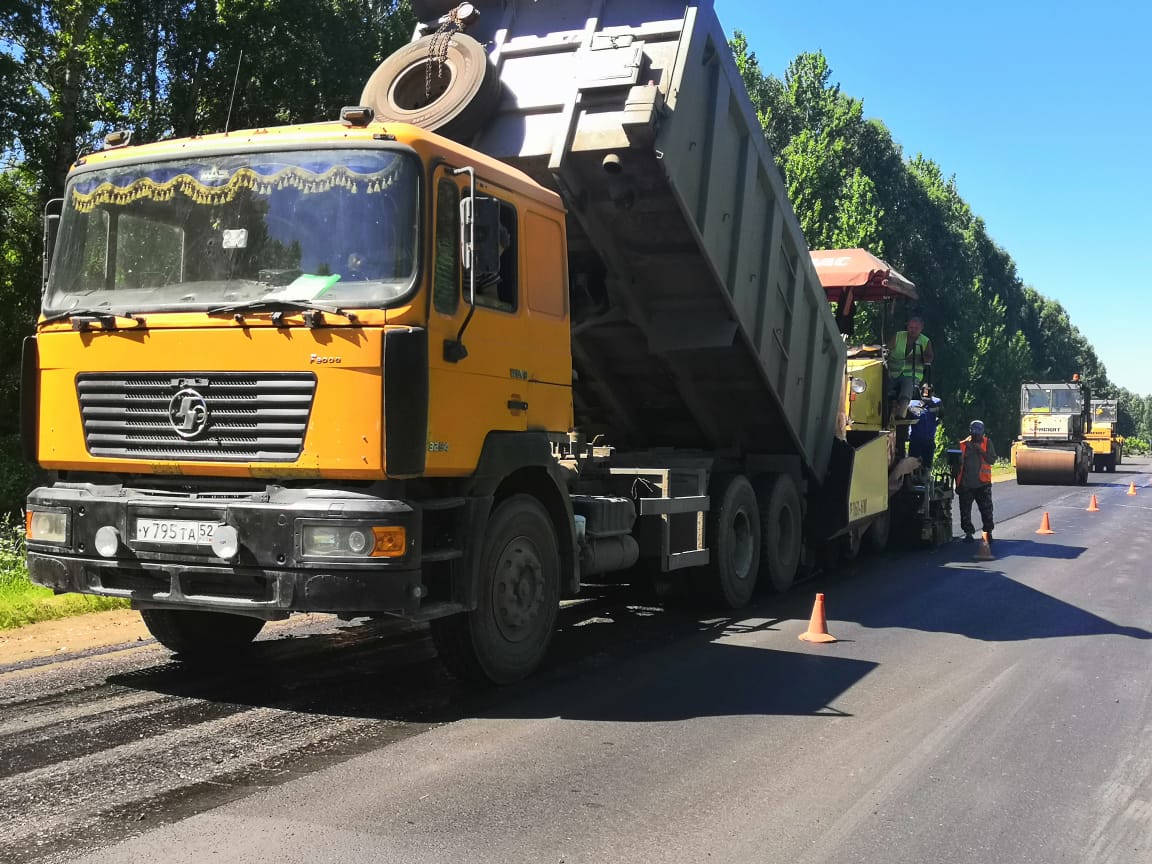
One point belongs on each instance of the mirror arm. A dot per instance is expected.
(49, 220)
(454, 350)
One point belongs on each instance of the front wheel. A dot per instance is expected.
(201, 635)
(505, 638)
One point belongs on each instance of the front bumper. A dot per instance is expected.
(270, 575)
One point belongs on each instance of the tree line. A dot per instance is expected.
(73, 70)
(852, 185)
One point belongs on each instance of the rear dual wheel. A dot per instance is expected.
(781, 534)
(733, 540)
(754, 533)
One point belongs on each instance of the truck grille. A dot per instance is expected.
(212, 416)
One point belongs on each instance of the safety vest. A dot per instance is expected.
(898, 360)
(985, 468)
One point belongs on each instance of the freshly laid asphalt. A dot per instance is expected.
(971, 712)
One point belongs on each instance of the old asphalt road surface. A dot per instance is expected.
(971, 713)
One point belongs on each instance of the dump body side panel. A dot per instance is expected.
(698, 318)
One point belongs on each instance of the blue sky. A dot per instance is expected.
(1042, 112)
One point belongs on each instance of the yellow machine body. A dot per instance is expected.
(1107, 446)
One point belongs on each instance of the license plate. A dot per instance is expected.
(183, 531)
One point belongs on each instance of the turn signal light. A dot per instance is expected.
(47, 526)
(391, 541)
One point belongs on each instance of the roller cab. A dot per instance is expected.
(1107, 446)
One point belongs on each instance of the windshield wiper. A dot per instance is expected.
(313, 312)
(83, 319)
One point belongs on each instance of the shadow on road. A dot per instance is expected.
(1034, 549)
(954, 594)
(618, 655)
(713, 679)
(614, 657)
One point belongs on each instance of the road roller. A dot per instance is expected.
(1054, 420)
(1107, 446)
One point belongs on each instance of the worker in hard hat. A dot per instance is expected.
(974, 482)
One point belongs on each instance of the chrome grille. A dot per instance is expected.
(249, 416)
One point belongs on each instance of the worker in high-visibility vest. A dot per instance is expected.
(909, 363)
(974, 482)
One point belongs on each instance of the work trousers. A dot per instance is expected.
(982, 495)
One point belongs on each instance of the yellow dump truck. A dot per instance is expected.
(509, 325)
(1107, 446)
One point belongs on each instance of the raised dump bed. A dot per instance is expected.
(698, 318)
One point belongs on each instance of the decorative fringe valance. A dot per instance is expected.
(244, 179)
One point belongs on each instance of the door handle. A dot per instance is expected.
(517, 405)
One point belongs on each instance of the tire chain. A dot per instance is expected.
(438, 48)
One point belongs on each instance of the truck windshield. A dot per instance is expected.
(337, 227)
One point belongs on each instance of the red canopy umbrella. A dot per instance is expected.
(868, 276)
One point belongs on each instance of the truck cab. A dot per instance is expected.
(247, 363)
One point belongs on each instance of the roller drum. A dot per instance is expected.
(1046, 467)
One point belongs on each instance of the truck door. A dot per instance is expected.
(487, 390)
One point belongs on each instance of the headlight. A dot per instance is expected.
(48, 526)
(342, 540)
(859, 385)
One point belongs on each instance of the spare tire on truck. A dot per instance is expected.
(465, 88)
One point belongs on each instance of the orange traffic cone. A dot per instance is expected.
(1045, 525)
(1131, 488)
(818, 627)
(1093, 507)
(984, 553)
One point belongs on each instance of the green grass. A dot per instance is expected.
(1003, 466)
(22, 603)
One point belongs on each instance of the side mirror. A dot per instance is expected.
(51, 220)
(480, 218)
(479, 251)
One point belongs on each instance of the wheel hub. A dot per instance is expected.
(518, 588)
